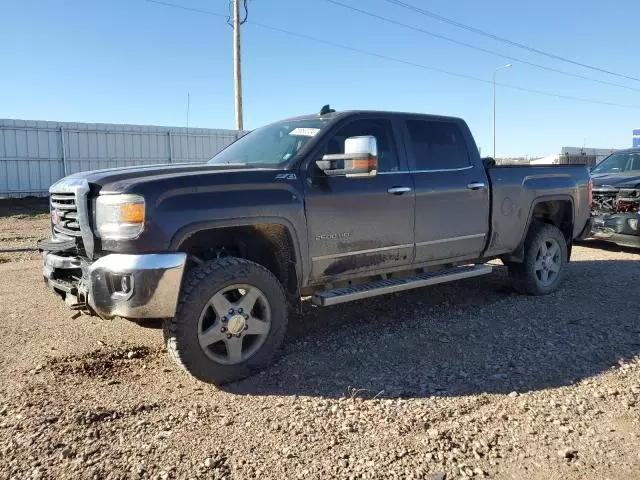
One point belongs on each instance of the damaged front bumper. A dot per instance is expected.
(128, 286)
(620, 228)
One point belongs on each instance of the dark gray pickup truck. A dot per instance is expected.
(333, 206)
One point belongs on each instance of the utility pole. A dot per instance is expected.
(237, 75)
(188, 111)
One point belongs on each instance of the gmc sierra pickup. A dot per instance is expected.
(336, 206)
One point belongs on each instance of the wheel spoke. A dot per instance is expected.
(543, 249)
(248, 301)
(554, 267)
(256, 326)
(211, 335)
(553, 251)
(538, 265)
(220, 305)
(544, 276)
(234, 349)
(233, 306)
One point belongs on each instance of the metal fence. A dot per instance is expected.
(598, 154)
(35, 154)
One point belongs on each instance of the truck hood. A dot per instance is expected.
(618, 180)
(120, 179)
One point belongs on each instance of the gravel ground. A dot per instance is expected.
(20, 228)
(456, 381)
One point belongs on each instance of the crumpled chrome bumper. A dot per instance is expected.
(620, 228)
(128, 286)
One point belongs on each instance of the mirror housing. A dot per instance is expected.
(360, 158)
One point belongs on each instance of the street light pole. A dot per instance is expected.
(508, 65)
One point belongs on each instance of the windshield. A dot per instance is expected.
(272, 146)
(619, 163)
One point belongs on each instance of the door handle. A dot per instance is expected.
(476, 186)
(399, 190)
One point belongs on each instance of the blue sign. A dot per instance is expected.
(636, 138)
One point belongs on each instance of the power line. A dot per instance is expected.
(407, 62)
(189, 9)
(439, 70)
(474, 47)
(505, 40)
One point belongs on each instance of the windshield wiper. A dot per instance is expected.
(211, 162)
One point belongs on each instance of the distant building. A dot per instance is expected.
(598, 153)
(512, 161)
(550, 160)
(575, 155)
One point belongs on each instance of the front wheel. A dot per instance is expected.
(230, 321)
(545, 261)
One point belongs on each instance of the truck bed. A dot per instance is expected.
(514, 189)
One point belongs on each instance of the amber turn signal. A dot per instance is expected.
(132, 213)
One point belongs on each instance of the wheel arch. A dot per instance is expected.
(269, 229)
(557, 210)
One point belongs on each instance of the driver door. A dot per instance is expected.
(357, 225)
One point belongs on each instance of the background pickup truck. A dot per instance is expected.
(333, 206)
(616, 198)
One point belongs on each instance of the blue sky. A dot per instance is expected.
(131, 61)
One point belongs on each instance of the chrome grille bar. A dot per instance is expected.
(69, 198)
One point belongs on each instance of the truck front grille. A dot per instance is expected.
(64, 214)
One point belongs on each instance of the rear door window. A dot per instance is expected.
(437, 145)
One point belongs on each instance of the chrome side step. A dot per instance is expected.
(382, 287)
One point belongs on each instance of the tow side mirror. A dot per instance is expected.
(360, 158)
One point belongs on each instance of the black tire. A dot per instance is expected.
(181, 333)
(525, 277)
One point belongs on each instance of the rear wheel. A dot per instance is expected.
(230, 321)
(545, 261)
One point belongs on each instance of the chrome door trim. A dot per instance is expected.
(451, 239)
(361, 252)
(459, 169)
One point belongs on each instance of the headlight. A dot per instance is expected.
(119, 217)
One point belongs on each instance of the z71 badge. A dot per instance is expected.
(286, 176)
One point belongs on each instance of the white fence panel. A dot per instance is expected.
(35, 154)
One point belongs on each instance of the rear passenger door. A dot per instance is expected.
(451, 191)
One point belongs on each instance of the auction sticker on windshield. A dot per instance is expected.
(304, 132)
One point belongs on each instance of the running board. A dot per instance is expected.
(382, 287)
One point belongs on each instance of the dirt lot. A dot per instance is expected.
(462, 380)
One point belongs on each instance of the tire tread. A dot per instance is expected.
(522, 275)
(216, 271)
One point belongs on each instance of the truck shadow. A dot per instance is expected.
(609, 247)
(32, 207)
(462, 338)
